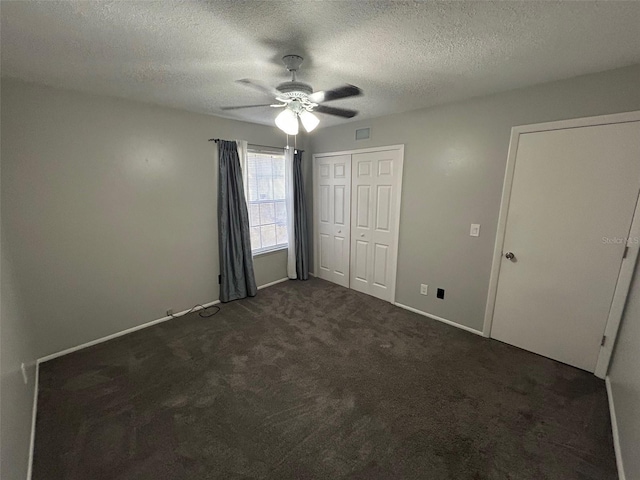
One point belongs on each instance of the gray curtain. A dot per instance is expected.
(300, 219)
(237, 279)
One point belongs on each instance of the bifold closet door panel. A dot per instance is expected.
(376, 178)
(333, 217)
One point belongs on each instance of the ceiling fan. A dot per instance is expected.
(299, 100)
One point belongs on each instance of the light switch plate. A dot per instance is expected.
(424, 289)
(475, 230)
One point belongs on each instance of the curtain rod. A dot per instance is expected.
(254, 144)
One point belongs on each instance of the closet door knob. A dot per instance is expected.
(362, 234)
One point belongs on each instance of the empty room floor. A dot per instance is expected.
(310, 380)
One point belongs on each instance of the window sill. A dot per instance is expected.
(271, 250)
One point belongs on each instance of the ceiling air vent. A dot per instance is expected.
(363, 133)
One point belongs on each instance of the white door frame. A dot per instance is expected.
(628, 264)
(394, 253)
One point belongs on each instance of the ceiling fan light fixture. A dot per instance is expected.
(309, 120)
(287, 121)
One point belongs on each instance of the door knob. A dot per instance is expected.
(509, 256)
(339, 231)
(362, 234)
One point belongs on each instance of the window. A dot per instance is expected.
(266, 200)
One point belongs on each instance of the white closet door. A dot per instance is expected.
(572, 201)
(375, 198)
(333, 190)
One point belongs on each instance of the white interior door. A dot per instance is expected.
(333, 193)
(375, 198)
(572, 202)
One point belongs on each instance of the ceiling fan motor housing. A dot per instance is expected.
(295, 89)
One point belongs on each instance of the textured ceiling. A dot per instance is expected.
(404, 55)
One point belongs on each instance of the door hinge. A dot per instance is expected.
(626, 251)
(604, 339)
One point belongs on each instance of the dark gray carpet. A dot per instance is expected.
(310, 380)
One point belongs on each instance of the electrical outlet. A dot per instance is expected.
(424, 289)
(440, 293)
(23, 368)
(170, 313)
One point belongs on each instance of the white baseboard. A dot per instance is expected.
(121, 333)
(34, 413)
(273, 283)
(139, 327)
(614, 430)
(440, 319)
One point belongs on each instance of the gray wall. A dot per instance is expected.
(455, 156)
(624, 375)
(16, 402)
(110, 210)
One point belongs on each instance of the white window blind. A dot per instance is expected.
(266, 200)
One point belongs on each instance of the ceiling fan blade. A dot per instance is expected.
(261, 87)
(245, 106)
(338, 112)
(335, 94)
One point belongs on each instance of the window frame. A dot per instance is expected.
(253, 149)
